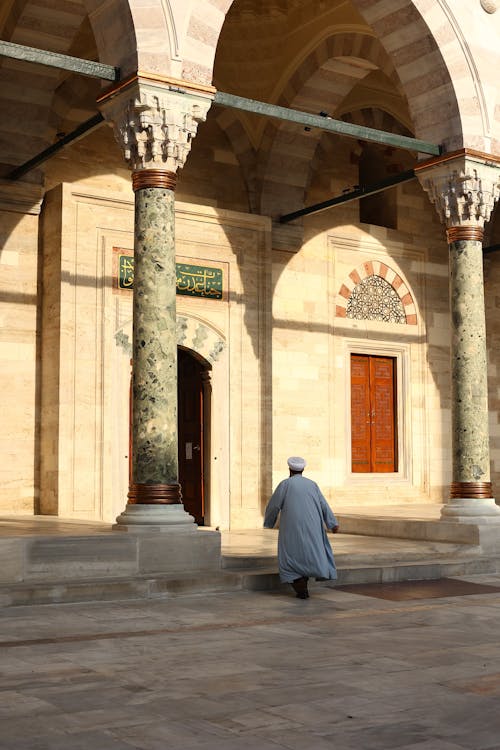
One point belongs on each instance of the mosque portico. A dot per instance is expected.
(254, 233)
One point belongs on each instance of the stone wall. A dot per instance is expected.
(19, 355)
(86, 339)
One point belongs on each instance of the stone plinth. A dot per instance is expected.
(109, 555)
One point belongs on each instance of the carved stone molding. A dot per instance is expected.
(21, 197)
(464, 187)
(490, 6)
(155, 124)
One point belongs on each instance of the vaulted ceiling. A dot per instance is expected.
(38, 103)
(311, 55)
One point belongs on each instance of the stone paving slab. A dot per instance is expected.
(254, 670)
(410, 590)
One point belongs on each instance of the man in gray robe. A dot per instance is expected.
(303, 547)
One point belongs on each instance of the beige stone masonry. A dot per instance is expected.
(86, 339)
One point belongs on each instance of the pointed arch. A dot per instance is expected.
(200, 337)
(321, 83)
(370, 270)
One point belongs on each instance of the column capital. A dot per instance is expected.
(155, 119)
(464, 187)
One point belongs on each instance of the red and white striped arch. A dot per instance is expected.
(376, 268)
(445, 55)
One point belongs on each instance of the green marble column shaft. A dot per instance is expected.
(154, 340)
(469, 366)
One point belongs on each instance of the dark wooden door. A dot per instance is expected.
(373, 414)
(190, 425)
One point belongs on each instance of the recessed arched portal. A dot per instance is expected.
(194, 408)
(199, 347)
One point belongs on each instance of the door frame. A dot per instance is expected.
(401, 354)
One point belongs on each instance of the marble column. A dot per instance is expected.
(154, 123)
(464, 188)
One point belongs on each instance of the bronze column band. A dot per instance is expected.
(153, 178)
(474, 490)
(154, 494)
(464, 234)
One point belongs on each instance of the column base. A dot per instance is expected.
(155, 518)
(471, 510)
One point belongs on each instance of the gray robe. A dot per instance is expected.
(303, 547)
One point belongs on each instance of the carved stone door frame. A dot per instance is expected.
(401, 355)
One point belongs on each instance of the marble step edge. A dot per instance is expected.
(151, 586)
(430, 530)
(388, 573)
(239, 562)
(139, 586)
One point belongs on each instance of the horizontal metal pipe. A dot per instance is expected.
(84, 129)
(491, 249)
(353, 195)
(326, 123)
(56, 60)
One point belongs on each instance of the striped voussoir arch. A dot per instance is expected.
(338, 46)
(229, 121)
(435, 75)
(381, 269)
(378, 118)
(321, 83)
(202, 36)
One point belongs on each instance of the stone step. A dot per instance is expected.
(251, 579)
(393, 554)
(429, 530)
(114, 588)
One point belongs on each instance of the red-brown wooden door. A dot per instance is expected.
(373, 414)
(190, 425)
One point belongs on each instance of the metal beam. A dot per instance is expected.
(84, 129)
(353, 195)
(326, 123)
(55, 60)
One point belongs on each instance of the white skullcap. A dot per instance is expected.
(296, 463)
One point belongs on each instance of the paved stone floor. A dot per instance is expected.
(255, 671)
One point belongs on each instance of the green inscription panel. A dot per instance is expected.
(125, 272)
(199, 281)
(193, 281)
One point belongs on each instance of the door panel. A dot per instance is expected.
(373, 414)
(190, 422)
(383, 422)
(360, 414)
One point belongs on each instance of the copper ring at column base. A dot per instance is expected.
(465, 233)
(474, 490)
(153, 178)
(155, 494)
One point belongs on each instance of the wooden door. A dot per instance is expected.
(190, 426)
(373, 414)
